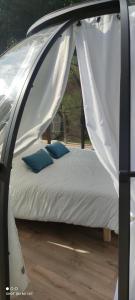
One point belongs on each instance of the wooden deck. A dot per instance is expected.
(66, 262)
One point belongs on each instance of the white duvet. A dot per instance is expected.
(75, 189)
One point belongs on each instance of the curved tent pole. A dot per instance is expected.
(73, 13)
(94, 8)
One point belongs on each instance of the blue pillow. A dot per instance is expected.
(38, 161)
(57, 150)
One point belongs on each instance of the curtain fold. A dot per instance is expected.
(18, 274)
(47, 92)
(98, 50)
(15, 65)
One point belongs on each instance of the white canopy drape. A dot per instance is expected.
(47, 92)
(98, 50)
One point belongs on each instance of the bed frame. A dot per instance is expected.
(107, 235)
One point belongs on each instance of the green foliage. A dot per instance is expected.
(71, 106)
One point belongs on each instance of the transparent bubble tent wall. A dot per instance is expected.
(33, 78)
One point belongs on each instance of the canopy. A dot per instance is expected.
(44, 99)
(44, 59)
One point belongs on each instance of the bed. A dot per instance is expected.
(76, 189)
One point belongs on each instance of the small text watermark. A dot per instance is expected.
(14, 291)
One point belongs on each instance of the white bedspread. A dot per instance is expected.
(75, 189)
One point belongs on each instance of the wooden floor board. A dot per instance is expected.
(66, 262)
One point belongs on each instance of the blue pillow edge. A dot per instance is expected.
(31, 163)
(55, 154)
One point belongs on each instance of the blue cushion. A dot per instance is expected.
(38, 161)
(57, 150)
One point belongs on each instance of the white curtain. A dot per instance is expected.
(18, 274)
(47, 92)
(98, 50)
(15, 65)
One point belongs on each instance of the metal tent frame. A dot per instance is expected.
(69, 16)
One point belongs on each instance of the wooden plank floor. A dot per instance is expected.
(66, 262)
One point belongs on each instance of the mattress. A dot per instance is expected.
(76, 189)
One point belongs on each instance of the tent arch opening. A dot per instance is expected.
(9, 142)
(13, 113)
